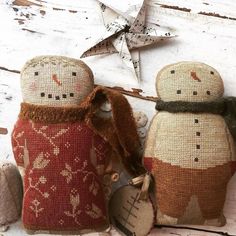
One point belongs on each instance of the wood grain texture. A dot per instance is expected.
(206, 32)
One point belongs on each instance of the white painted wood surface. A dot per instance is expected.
(68, 27)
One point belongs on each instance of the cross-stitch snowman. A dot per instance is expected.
(64, 159)
(189, 147)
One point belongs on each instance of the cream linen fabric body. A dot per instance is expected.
(175, 139)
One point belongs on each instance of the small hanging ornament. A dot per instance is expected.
(131, 209)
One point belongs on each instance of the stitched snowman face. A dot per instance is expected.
(189, 81)
(55, 81)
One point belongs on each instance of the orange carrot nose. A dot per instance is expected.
(54, 78)
(194, 76)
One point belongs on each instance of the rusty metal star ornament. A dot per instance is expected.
(125, 34)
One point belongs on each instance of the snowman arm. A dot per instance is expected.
(149, 148)
(18, 140)
(233, 159)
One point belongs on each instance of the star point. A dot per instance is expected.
(124, 35)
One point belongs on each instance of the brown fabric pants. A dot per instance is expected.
(176, 185)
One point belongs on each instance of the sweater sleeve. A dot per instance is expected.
(233, 161)
(18, 143)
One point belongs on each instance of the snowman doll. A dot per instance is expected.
(63, 157)
(190, 147)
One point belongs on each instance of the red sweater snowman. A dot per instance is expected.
(64, 160)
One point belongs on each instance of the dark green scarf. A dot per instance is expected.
(223, 106)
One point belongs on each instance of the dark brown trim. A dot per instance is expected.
(51, 115)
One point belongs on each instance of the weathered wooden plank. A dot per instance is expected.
(85, 33)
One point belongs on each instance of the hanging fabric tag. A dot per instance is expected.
(130, 215)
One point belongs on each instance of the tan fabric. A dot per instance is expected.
(175, 140)
(11, 192)
(55, 81)
(183, 76)
(130, 215)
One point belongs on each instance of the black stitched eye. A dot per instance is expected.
(71, 95)
(194, 92)
(42, 94)
(36, 73)
(212, 73)
(208, 92)
(178, 91)
(74, 73)
(172, 71)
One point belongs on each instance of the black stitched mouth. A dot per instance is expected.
(57, 97)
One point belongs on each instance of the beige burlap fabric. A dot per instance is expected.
(189, 153)
(11, 192)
